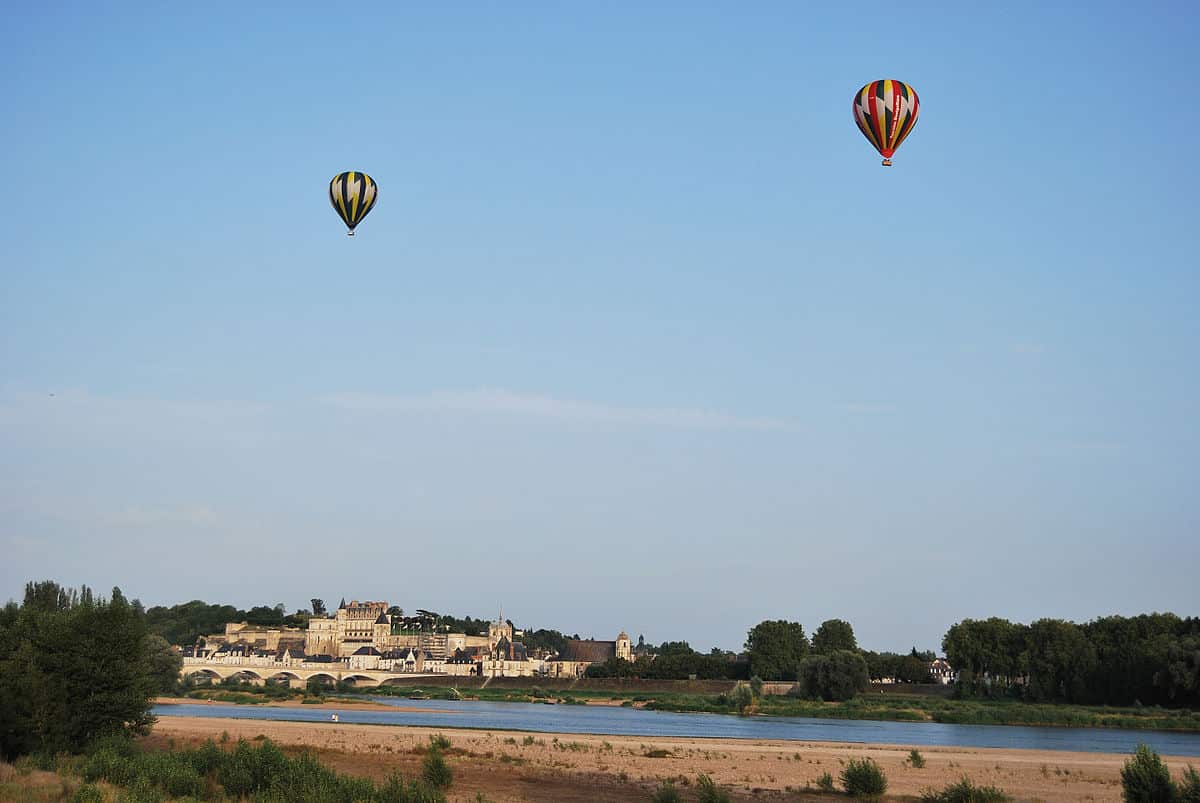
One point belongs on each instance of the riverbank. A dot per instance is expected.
(340, 703)
(514, 766)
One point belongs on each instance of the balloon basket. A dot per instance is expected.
(350, 233)
(887, 162)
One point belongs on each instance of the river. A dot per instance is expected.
(602, 720)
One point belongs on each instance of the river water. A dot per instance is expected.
(602, 720)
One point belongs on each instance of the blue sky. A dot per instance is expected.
(639, 335)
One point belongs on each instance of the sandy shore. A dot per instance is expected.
(518, 766)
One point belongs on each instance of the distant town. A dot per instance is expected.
(373, 643)
(364, 643)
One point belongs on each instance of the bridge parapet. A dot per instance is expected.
(293, 673)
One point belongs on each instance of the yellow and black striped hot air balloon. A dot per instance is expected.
(352, 195)
(886, 112)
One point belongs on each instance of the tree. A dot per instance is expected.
(989, 649)
(550, 641)
(1180, 675)
(73, 668)
(927, 656)
(265, 616)
(834, 634)
(162, 662)
(775, 649)
(1146, 779)
(838, 675)
(318, 606)
(1060, 661)
(912, 669)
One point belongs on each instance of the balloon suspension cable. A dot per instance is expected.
(887, 162)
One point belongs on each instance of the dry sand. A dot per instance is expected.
(558, 767)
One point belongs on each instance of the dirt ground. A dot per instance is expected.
(516, 766)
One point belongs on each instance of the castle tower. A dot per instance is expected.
(383, 628)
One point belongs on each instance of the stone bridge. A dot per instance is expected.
(296, 675)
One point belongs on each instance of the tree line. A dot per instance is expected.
(188, 621)
(1153, 659)
(1150, 659)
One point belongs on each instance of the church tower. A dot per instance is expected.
(624, 648)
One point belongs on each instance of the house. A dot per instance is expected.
(940, 671)
(365, 658)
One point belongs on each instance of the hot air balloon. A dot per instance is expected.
(886, 112)
(352, 195)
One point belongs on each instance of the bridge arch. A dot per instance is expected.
(324, 678)
(210, 675)
(360, 680)
(285, 679)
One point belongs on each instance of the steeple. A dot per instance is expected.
(342, 607)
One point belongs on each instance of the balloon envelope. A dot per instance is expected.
(353, 195)
(886, 112)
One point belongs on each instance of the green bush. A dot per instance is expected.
(107, 765)
(88, 793)
(916, 759)
(1189, 786)
(143, 790)
(862, 777)
(1146, 779)
(667, 793)
(741, 697)
(439, 742)
(436, 771)
(707, 791)
(397, 790)
(825, 783)
(965, 792)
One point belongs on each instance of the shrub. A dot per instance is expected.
(862, 777)
(439, 742)
(916, 759)
(707, 791)
(667, 793)
(825, 783)
(107, 765)
(1189, 786)
(180, 780)
(965, 792)
(838, 676)
(436, 771)
(207, 758)
(397, 790)
(1146, 779)
(742, 697)
(88, 793)
(143, 790)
